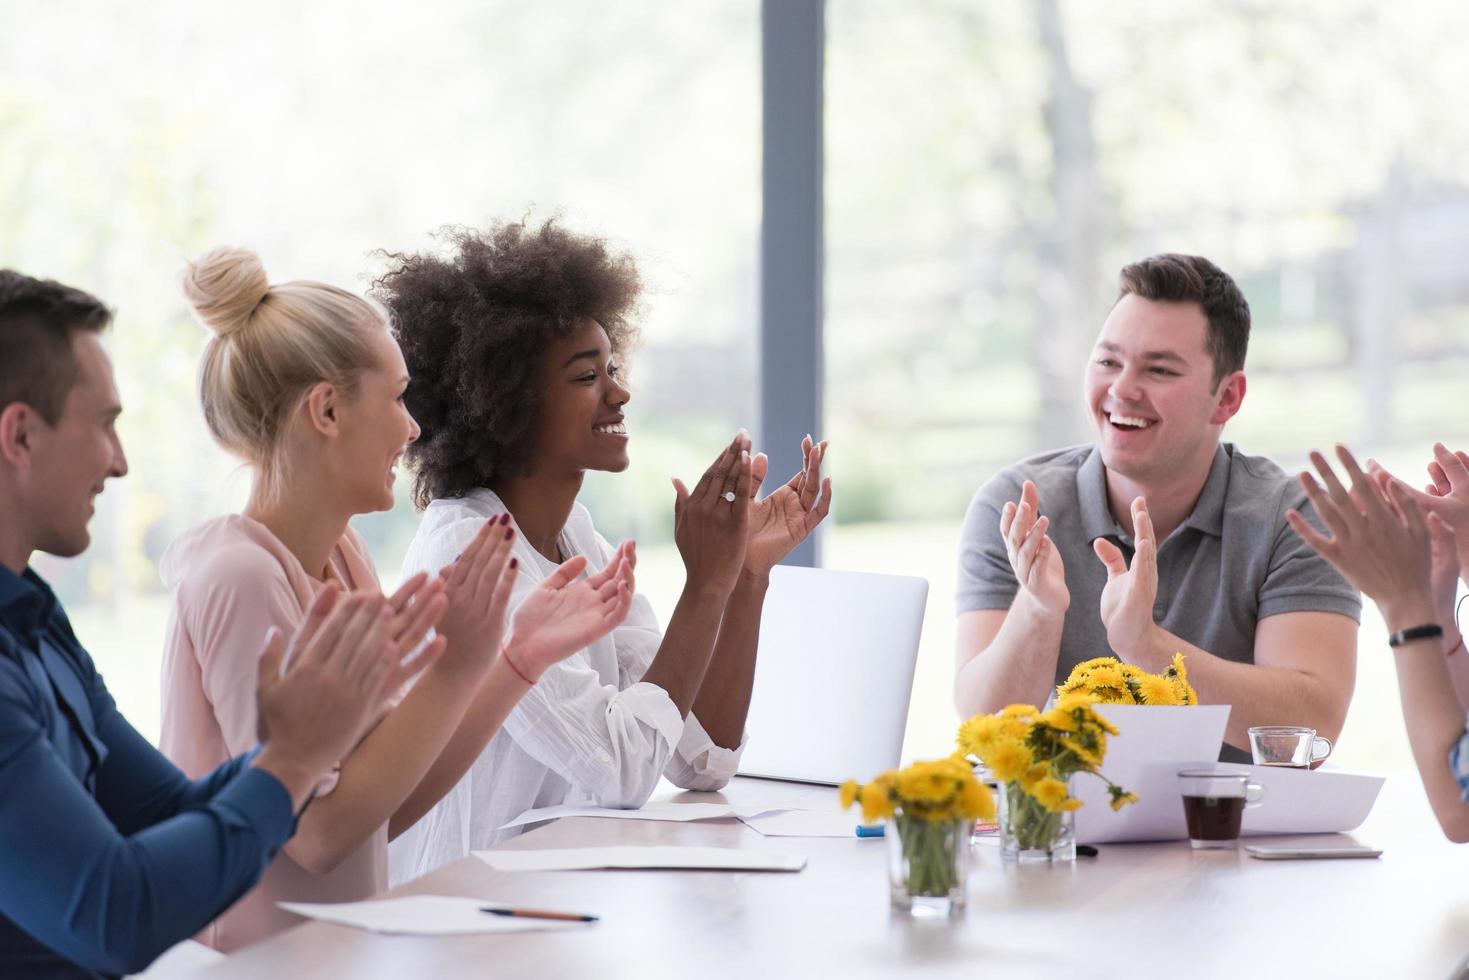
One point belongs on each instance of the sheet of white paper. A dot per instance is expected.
(180, 961)
(1155, 742)
(804, 823)
(583, 858)
(1304, 801)
(649, 811)
(423, 915)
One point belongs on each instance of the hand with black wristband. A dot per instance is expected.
(1379, 539)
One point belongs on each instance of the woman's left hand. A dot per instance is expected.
(789, 515)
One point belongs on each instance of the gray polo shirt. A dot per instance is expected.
(1233, 562)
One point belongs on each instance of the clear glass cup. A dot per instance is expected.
(1214, 804)
(928, 864)
(1288, 746)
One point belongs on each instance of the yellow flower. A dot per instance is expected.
(1086, 666)
(876, 803)
(1034, 774)
(1178, 674)
(926, 783)
(1120, 796)
(1008, 758)
(1179, 668)
(976, 734)
(1051, 794)
(1061, 718)
(1156, 690)
(976, 800)
(849, 792)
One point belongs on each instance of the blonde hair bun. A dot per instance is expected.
(224, 286)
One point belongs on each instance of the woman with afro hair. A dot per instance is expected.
(513, 339)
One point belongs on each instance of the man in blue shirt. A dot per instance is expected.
(109, 854)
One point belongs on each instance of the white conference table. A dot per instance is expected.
(1135, 909)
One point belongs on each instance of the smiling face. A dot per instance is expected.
(1150, 390)
(580, 425)
(70, 461)
(374, 429)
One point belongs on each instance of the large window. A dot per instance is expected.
(990, 167)
(317, 133)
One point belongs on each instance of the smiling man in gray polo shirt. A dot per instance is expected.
(1158, 538)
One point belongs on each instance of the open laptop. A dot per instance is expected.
(834, 674)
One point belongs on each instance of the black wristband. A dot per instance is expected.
(1414, 633)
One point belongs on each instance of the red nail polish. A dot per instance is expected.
(514, 562)
(509, 534)
(505, 518)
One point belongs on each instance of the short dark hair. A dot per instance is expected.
(1174, 278)
(37, 319)
(474, 324)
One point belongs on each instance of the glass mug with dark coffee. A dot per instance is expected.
(1288, 746)
(1214, 804)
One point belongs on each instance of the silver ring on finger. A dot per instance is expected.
(728, 496)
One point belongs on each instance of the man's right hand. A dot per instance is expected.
(318, 693)
(1033, 555)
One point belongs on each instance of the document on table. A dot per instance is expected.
(587, 858)
(1154, 743)
(424, 915)
(648, 811)
(803, 823)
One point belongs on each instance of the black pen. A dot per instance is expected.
(539, 914)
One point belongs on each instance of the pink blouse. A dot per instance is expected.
(232, 580)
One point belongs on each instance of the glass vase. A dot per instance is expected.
(1031, 834)
(927, 865)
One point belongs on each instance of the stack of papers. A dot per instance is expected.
(680, 812)
(585, 858)
(771, 821)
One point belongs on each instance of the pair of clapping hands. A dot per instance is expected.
(320, 690)
(1397, 545)
(722, 527)
(1128, 596)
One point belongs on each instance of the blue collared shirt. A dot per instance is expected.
(108, 853)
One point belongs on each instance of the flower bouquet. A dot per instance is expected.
(1111, 681)
(931, 807)
(1034, 756)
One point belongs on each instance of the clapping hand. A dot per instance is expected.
(410, 614)
(1447, 495)
(710, 522)
(478, 586)
(786, 517)
(1377, 538)
(1128, 596)
(1033, 555)
(565, 613)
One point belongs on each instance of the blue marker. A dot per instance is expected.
(872, 831)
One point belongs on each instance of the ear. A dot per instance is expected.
(322, 409)
(17, 423)
(1229, 397)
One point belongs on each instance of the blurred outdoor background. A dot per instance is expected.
(989, 166)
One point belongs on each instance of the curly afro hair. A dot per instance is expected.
(474, 323)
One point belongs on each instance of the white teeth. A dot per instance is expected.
(616, 429)
(1131, 421)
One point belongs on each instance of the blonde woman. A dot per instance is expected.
(304, 383)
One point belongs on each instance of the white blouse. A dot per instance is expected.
(588, 732)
